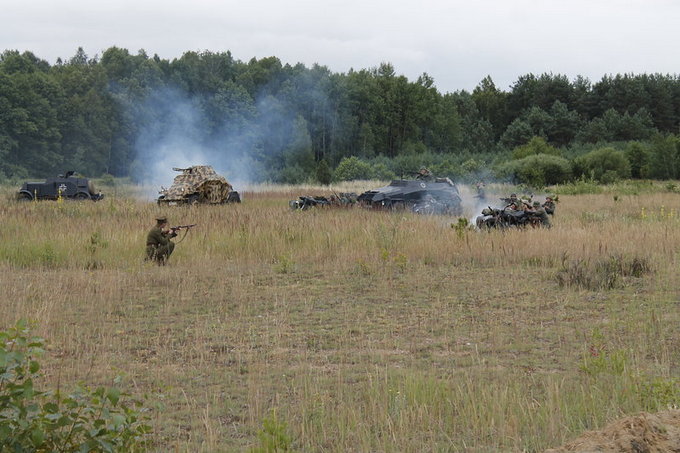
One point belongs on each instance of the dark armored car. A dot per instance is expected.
(434, 196)
(65, 186)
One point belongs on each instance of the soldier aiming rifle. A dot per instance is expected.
(159, 246)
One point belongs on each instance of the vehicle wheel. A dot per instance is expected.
(24, 197)
(192, 200)
(81, 196)
(233, 197)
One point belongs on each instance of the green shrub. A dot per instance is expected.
(351, 168)
(293, 174)
(537, 170)
(537, 145)
(581, 186)
(658, 393)
(36, 254)
(606, 165)
(382, 172)
(103, 419)
(323, 172)
(107, 180)
(664, 159)
(273, 436)
(639, 157)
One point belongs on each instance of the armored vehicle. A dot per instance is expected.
(198, 184)
(66, 186)
(423, 196)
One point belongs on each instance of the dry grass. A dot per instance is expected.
(365, 331)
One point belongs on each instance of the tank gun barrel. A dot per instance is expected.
(179, 169)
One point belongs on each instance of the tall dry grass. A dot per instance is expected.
(364, 331)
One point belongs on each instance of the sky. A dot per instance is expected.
(457, 43)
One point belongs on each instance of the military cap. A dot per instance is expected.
(162, 219)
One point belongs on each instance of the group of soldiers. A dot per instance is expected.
(518, 212)
(535, 209)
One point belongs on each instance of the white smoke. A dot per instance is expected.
(174, 132)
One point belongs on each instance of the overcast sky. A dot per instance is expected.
(457, 43)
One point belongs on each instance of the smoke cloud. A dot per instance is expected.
(240, 138)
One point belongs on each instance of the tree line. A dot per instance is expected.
(102, 115)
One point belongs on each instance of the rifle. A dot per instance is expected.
(175, 229)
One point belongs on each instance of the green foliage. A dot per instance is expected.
(323, 173)
(284, 264)
(351, 168)
(537, 145)
(639, 158)
(604, 361)
(519, 132)
(462, 226)
(606, 165)
(537, 170)
(293, 174)
(665, 157)
(273, 436)
(107, 180)
(101, 419)
(382, 172)
(581, 186)
(657, 393)
(41, 254)
(93, 115)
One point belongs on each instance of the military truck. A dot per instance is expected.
(66, 186)
(198, 184)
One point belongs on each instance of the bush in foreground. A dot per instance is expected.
(102, 419)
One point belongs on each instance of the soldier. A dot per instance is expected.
(480, 190)
(159, 247)
(514, 203)
(549, 205)
(539, 213)
(424, 174)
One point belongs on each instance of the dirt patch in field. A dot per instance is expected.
(642, 433)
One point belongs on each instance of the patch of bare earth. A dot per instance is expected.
(642, 433)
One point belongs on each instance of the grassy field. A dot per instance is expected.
(350, 330)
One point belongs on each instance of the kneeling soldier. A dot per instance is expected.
(159, 247)
(539, 213)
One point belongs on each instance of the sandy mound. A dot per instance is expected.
(642, 433)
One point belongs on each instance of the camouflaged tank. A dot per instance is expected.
(198, 184)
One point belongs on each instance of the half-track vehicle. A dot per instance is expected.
(198, 184)
(66, 186)
(422, 196)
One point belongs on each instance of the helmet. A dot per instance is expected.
(536, 204)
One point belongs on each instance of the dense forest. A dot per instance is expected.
(120, 113)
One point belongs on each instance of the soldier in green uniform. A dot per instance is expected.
(539, 213)
(424, 174)
(159, 247)
(549, 205)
